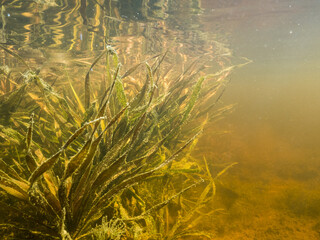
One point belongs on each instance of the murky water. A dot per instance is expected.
(273, 133)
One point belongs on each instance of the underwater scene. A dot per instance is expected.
(160, 119)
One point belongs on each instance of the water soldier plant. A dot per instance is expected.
(117, 166)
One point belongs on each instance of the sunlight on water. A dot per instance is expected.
(272, 132)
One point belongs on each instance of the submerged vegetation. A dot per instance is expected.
(110, 162)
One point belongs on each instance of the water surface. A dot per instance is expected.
(273, 132)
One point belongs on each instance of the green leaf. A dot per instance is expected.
(77, 159)
(193, 99)
(45, 166)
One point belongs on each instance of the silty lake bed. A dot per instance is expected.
(273, 131)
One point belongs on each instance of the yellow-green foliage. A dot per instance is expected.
(111, 168)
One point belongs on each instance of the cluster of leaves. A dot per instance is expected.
(111, 168)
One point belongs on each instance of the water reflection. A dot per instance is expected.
(83, 28)
(274, 132)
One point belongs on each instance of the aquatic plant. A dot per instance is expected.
(116, 167)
